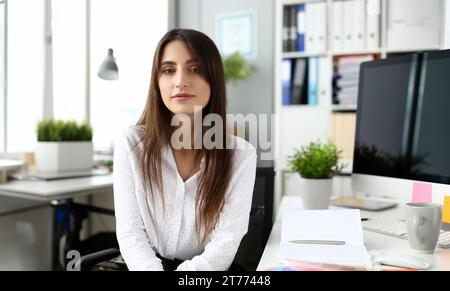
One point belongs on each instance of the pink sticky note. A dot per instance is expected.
(421, 192)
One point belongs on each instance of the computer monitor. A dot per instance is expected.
(403, 126)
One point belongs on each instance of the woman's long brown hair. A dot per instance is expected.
(156, 120)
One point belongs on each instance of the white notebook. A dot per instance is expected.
(324, 225)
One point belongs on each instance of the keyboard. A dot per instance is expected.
(397, 228)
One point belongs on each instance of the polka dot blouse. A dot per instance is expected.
(144, 229)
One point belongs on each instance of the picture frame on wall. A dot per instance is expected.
(237, 31)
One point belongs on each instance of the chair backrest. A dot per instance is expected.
(261, 219)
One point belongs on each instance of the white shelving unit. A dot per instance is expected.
(299, 124)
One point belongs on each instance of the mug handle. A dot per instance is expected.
(418, 220)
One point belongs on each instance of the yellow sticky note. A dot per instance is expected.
(446, 210)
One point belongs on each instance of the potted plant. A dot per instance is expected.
(237, 68)
(63, 146)
(317, 164)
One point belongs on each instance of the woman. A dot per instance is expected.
(182, 208)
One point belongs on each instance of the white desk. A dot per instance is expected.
(374, 242)
(34, 193)
(11, 205)
(57, 189)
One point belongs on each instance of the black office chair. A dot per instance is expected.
(251, 247)
(68, 224)
(106, 260)
(261, 219)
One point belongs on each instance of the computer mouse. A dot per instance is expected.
(403, 262)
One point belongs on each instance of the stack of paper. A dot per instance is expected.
(324, 225)
(307, 266)
(347, 78)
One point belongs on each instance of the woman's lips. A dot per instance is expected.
(183, 96)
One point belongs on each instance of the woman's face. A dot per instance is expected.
(181, 83)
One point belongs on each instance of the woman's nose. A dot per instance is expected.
(182, 85)
(181, 81)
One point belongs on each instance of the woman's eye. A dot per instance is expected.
(195, 70)
(167, 71)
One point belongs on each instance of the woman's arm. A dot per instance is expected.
(233, 220)
(133, 241)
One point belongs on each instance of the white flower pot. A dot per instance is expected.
(64, 156)
(316, 193)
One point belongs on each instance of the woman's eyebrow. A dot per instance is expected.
(172, 63)
(169, 63)
(192, 61)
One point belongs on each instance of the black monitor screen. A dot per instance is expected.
(431, 142)
(403, 116)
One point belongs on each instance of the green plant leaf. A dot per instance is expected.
(316, 160)
(60, 130)
(237, 68)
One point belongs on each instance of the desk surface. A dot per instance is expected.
(56, 189)
(374, 242)
(11, 205)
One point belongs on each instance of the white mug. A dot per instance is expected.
(423, 225)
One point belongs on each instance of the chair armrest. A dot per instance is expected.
(88, 261)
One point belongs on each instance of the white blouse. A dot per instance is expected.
(172, 234)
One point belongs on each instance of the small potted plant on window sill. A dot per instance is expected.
(316, 164)
(63, 146)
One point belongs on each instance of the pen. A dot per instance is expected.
(318, 242)
(364, 219)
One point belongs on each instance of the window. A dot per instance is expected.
(25, 72)
(2, 74)
(50, 71)
(132, 29)
(69, 59)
